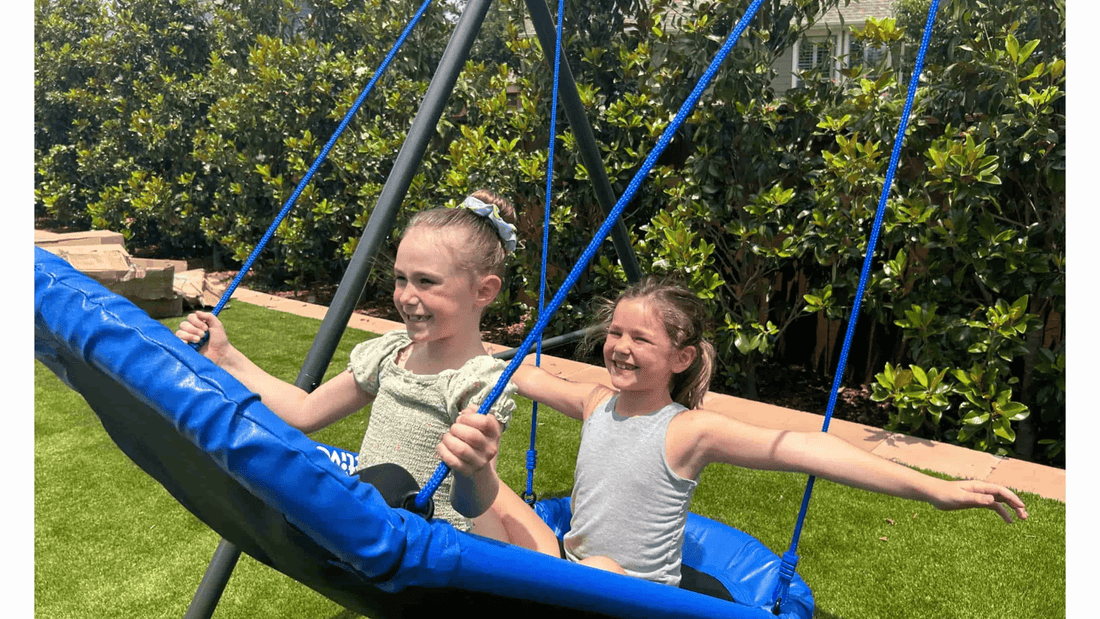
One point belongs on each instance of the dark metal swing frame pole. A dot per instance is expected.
(384, 214)
(586, 138)
(589, 150)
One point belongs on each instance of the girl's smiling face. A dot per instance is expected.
(434, 294)
(638, 352)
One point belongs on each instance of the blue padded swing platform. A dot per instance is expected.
(279, 496)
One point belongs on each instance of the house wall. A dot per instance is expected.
(838, 21)
(782, 66)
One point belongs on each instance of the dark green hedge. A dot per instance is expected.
(187, 124)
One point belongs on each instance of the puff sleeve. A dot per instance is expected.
(366, 358)
(470, 386)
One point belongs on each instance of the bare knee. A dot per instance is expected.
(604, 563)
(509, 519)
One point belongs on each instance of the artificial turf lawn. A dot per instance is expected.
(110, 541)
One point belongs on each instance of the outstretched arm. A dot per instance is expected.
(567, 397)
(330, 402)
(706, 436)
(833, 458)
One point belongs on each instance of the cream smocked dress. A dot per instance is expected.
(411, 412)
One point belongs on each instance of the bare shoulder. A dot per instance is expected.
(693, 425)
(687, 441)
(597, 396)
(707, 420)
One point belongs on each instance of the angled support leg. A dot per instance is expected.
(213, 581)
(586, 139)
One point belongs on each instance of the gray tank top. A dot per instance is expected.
(628, 504)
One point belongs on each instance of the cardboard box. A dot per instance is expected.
(150, 284)
(161, 308)
(198, 289)
(107, 264)
(45, 240)
(154, 263)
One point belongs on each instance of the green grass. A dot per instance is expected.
(110, 542)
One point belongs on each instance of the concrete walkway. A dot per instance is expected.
(952, 460)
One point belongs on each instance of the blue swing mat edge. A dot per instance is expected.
(214, 446)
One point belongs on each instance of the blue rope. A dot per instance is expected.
(601, 234)
(786, 572)
(313, 169)
(532, 452)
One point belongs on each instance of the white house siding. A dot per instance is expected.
(837, 23)
(782, 66)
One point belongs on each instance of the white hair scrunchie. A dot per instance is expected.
(506, 230)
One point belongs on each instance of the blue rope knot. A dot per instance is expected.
(532, 455)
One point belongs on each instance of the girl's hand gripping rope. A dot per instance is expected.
(469, 448)
(202, 324)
